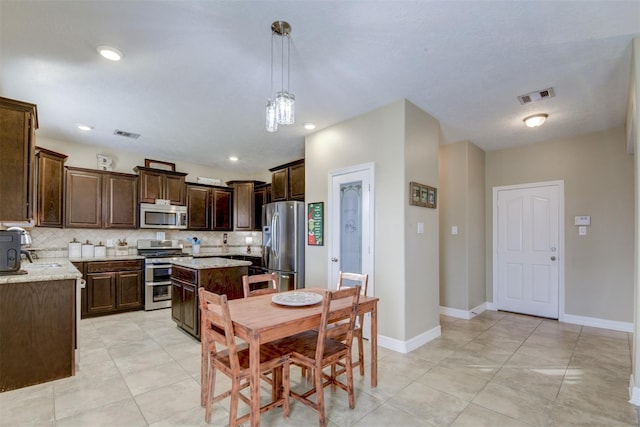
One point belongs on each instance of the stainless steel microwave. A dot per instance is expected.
(163, 216)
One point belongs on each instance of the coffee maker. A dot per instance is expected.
(11, 252)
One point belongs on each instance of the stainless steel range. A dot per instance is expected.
(158, 257)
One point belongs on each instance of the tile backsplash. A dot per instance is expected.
(53, 242)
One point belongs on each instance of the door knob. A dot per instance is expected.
(334, 259)
(553, 258)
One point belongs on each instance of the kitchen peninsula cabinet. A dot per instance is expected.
(160, 184)
(209, 208)
(218, 275)
(100, 199)
(18, 122)
(244, 204)
(49, 188)
(112, 287)
(287, 181)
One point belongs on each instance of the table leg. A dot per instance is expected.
(374, 345)
(254, 367)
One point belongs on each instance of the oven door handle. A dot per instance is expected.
(157, 283)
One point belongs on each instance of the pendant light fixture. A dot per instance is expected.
(280, 109)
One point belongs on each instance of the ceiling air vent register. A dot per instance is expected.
(126, 134)
(536, 96)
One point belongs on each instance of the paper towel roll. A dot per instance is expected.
(75, 249)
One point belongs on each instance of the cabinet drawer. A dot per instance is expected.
(109, 266)
(186, 274)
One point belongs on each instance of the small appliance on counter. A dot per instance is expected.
(11, 251)
(25, 237)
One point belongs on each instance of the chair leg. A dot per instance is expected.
(204, 369)
(361, 354)
(286, 381)
(210, 393)
(233, 404)
(320, 396)
(352, 401)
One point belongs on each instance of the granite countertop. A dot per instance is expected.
(205, 263)
(46, 269)
(105, 258)
(235, 253)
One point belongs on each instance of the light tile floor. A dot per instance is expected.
(498, 369)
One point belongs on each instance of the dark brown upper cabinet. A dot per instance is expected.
(243, 204)
(100, 199)
(18, 122)
(159, 184)
(49, 188)
(287, 181)
(209, 208)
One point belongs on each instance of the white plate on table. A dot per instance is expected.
(296, 299)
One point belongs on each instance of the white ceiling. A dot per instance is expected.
(195, 76)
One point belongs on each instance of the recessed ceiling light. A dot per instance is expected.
(309, 126)
(85, 128)
(233, 158)
(111, 53)
(535, 120)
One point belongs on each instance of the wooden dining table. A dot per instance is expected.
(258, 320)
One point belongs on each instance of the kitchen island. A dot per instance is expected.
(38, 323)
(218, 275)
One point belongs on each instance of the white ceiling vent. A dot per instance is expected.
(126, 134)
(536, 96)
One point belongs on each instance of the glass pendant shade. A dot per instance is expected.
(285, 108)
(272, 122)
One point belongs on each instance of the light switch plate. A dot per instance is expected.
(582, 230)
(454, 230)
(420, 227)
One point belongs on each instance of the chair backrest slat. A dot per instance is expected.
(216, 326)
(270, 278)
(333, 329)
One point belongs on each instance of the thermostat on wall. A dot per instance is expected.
(583, 220)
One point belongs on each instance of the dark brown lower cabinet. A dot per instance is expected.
(184, 306)
(112, 287)
(37, 329)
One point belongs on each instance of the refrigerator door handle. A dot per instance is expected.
(275, 234)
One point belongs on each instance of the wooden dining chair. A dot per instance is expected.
(362, 280)
(317, 349)
(233, 361)
(270, 278)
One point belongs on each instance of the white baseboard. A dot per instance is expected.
(491, 306)
(598, 323)
(634, 392)
(463, 314)
(410, 345)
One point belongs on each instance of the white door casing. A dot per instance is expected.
(528, 248)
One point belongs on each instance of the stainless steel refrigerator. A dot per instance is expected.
(283, 234)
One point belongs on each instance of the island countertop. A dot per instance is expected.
(46, 269)
(207, 263)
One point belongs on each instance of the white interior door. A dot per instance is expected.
(350, 224)
(528, 249)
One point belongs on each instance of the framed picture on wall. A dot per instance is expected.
(315, 224)
(422, 195)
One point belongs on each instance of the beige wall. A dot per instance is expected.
(598, 181)
(421, 254)
(84, 156)
(462, 260)
(380, 136)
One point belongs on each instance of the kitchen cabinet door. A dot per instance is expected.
(243, 206)
(175, 189)
(176, 302)
(49, 188)
(83, 198)
(222, 209)
(129, 289)
(280, 185)
(261, 196)
(120, 201)
(190, 308)
(157, 184)
(151, 186)
(18, 122)
(198, 204)
(296, 182)
(101, 292)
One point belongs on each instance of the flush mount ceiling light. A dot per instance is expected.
(85, 128)
(309, 126)
(280, 108)
(110, 53)
(233, 159)
(535, 120)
